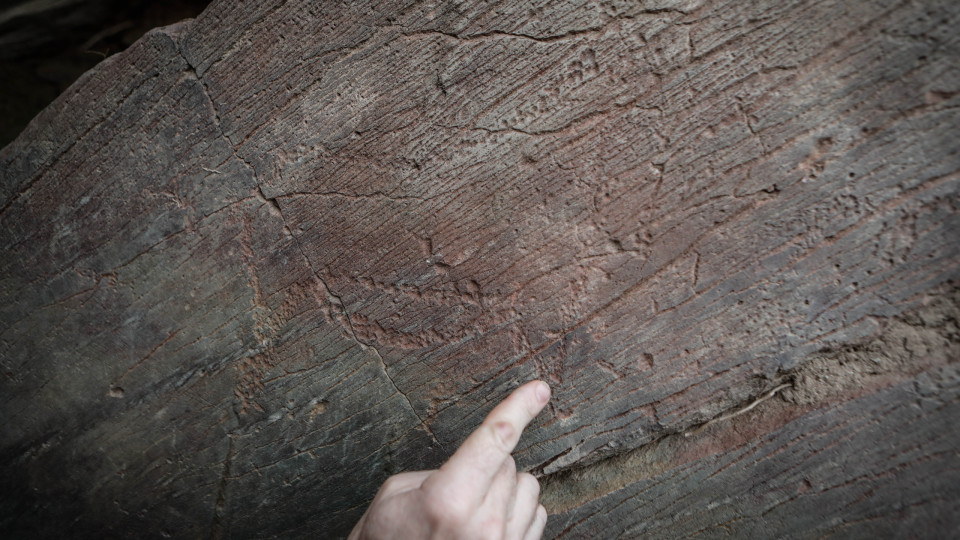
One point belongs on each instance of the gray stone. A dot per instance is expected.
(265, 258)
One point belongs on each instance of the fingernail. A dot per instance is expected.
(543, 392)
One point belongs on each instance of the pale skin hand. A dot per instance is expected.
(476, 494)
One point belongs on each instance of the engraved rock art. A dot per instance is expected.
(265, 258)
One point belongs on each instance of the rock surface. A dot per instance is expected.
(45, 45)
(263, 259)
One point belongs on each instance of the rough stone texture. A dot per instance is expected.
(265, 258)
(45, 45)
(862, 445)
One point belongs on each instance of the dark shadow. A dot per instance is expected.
(45, 45)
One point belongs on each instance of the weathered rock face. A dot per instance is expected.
(265, 258)
(46, 45)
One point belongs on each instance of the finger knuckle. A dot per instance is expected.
(493, 527)
(390, 485)
(447, 507)
(529, 483)
(510, 465)
(504, 434)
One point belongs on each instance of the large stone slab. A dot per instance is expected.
(859, 443)
(265, 258)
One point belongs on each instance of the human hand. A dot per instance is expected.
(477, 493)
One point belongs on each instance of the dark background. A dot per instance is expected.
(45, 45)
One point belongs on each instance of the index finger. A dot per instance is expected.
(479, 457)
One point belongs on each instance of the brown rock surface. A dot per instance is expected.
(265, 258)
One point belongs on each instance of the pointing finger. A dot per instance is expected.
(480, 457)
